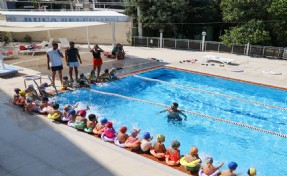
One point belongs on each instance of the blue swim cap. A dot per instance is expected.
(45, 84)
(73, 112)
(29, 99)
(146, 135)
(232, 165)
(104, 121)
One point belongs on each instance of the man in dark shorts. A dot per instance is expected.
(174, 114)
(71, 56)
(54, 61)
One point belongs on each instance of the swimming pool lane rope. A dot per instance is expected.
(214, 93)
(193, 112)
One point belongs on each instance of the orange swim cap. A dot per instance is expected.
(193, 150)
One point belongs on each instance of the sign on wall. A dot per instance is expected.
(22, 18)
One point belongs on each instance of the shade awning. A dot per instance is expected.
(41, 26)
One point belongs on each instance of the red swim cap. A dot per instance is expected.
(123, 129)
(109, 125)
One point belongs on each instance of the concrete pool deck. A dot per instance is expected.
(33, 145)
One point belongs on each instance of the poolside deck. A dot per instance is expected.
(33, 145)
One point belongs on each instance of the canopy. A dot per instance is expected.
(41, 26)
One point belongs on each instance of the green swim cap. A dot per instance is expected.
(160, 137)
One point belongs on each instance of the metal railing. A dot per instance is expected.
(186, 44)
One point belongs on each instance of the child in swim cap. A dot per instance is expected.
(29, 104)
(42, 90)
(16, 95)
(158, 148)
(133, 142)
(173, 153)
(109, 131)
(65, 113)
(22, 98)
(122, 136)
(66, 83)
(105, 77)
(31, 90)
(231, 168)
(192, 156)
(251, 172)
(80, 122)
(209, 169)
(83, 81)
(145, 143)
(113, 73)
(99, 129)
(92, 77)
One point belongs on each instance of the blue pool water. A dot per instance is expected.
(225, 142)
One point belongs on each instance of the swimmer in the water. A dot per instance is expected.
(174, 113)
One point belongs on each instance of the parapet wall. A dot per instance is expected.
(101, 34)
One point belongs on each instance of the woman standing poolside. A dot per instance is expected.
(97, 60)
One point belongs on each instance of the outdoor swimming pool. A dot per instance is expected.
(247, 104)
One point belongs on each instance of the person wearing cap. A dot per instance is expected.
(122, 136)
(92, 77)
(113, 73)
(54, 61)
(109, 133)
(99, 129)
(65, 113)
(72, 116)
(209, 169)
(251, 172)
(97, 60)
(83, 81)
(42, 105)
(72, 58)
(231, 168)
(159, 149)
(91, 123)
(80, 122)
(42, 90)
(31, 91)
(173, 154)
(105, 77)
(133, 142)
(22, 98)
(145, 143)
(29, 104)
(66, 83)
(16, 95)
(174, 113)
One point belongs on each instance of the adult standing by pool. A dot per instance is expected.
(72, 56)
(97, 60)
(54, 61)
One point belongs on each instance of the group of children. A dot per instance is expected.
(77, 118)
(92, 79)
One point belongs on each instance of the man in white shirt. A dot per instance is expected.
(54, 60)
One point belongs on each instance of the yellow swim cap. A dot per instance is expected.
(160, 137)
(29, 94)
(22, 92)
(251, 171)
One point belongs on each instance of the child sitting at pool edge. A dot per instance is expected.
(159, 149)
(173, 154)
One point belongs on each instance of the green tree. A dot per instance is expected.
(252, 31)
(278, 29)
(255, 21)
(176, 17)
